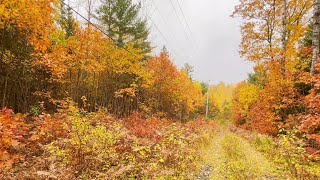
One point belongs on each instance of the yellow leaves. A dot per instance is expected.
(31, 15)
(143, 151)
(245, 96)
(129, 92)
(221, 96)
(26, 24)
(262, 22)
(161, 160)
(4, 15)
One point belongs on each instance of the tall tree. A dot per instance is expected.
(284, 37)
(189, 69)
(316, 35)
(24, 30)
(66, 20)
(259, 29)
(122, 21)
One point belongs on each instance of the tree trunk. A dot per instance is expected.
(5, 90)
(315, 39)
(284, 38)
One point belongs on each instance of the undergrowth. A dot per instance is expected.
(288, 154)
(72, 144)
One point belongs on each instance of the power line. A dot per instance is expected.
(183, 15)
(113, 40)
(167, 24)
(176, 13)
(157, 27)
(162, 77)
(99, 29)
(185, 19)
(185, 32)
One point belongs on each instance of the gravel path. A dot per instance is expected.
(204, 173)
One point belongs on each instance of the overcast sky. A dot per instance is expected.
(210, 44)
(213, 46)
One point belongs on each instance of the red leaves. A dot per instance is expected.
(315, 138)
(18, 138)
(310, 124)
(48, 128)
(12, 132)
(154, 128)
(200, 124)
(311, 121)
(145, 128)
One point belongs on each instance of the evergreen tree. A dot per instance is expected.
(66, 20)
(123, 23)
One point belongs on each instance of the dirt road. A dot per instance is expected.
(229, 156)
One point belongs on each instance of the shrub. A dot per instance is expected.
(263, 143)
(73, 144)
(48, 128)
(100, 146)
(88, 147)
(12, 138)
(145, 128)
(290, 152)
(35, 111)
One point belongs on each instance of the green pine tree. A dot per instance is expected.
(122, 21)
(66, 20)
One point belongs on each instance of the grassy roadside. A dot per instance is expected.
(288, 154)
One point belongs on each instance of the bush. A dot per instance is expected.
(88, 147)
(35, 111)
(290, 152)
(263, 143)
(145, 128)
(12, 139)
(73, 144)
(99, 146)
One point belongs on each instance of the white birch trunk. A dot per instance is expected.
(315, 39)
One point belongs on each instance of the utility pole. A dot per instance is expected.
(207, 106)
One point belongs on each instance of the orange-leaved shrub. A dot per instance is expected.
(74, 144)
(310, 122)
(12, 138)
(145, 128)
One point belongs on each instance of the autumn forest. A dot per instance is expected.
(85, 95)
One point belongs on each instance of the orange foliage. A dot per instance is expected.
(277, 102)
(311, 122)
(12, 138)
(145, 128)
(171, 91)
(32, 17)
(200, 124)
(48, 128)
(273, 106)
